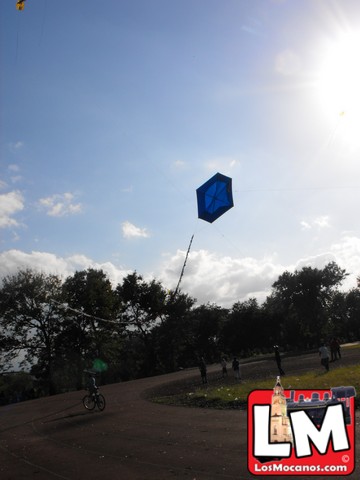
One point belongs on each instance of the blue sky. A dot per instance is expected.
(113, 113)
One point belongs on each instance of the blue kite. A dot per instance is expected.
(214, 197)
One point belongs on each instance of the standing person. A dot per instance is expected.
(203, 370)
(278, 360)
(338, 346)
(224, 367)
(236, 368)
(333, 349)
(324, 356)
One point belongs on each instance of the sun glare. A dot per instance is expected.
(339, 79)
(339, 87)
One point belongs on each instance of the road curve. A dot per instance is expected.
(56, 438)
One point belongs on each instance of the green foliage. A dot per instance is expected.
(235, 396)
(143, 303)
(16, 387)
(304, 299)
(92, 328)
(31, 320)
(246, 329)
(348, 375)
(137, 328)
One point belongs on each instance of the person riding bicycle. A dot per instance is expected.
(93, 398)
(91, 384)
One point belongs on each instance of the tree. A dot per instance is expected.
(143, 303)
(30, 321)
(92, 329)
(337, 317)
(242, 330)
(172, 337)
(274, 316)
(304, 298)
(352, 314)
(143, 307)
(204, 326)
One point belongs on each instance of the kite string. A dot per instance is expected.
(332, 135)
(293, 189)
(229, 241)
(196, 229)
(184, 265)
(80, 312)
(43, 22)
(17, 39)
(317, 156)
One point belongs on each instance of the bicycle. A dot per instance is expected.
(94, 399)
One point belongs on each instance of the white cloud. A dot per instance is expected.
(347, 253)
(221, 280)
(305, 225)
(15, 237)
(224, 280)
(253, 26)
(13, 260)
(208, 277)
(250, 30)
(16, 146)
(10, 203)
(15, 169)
(16, 179)
(128, 189)
(220, 163)
(320, 222)
(180, 164)
(60, 205)
(315, 261)
(129, 230)
(287, 62)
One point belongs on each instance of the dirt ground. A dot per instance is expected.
(136, 439)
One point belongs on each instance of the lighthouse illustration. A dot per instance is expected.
(280, 429)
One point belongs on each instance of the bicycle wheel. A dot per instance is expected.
(88, 402)
(100, 402)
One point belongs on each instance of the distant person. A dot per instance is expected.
(324, 356)
(278, 360)
(335, 349)
(224, 367)
(203, 370)
(338, 346)
(236, 368)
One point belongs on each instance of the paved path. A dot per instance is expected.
(133, 439)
